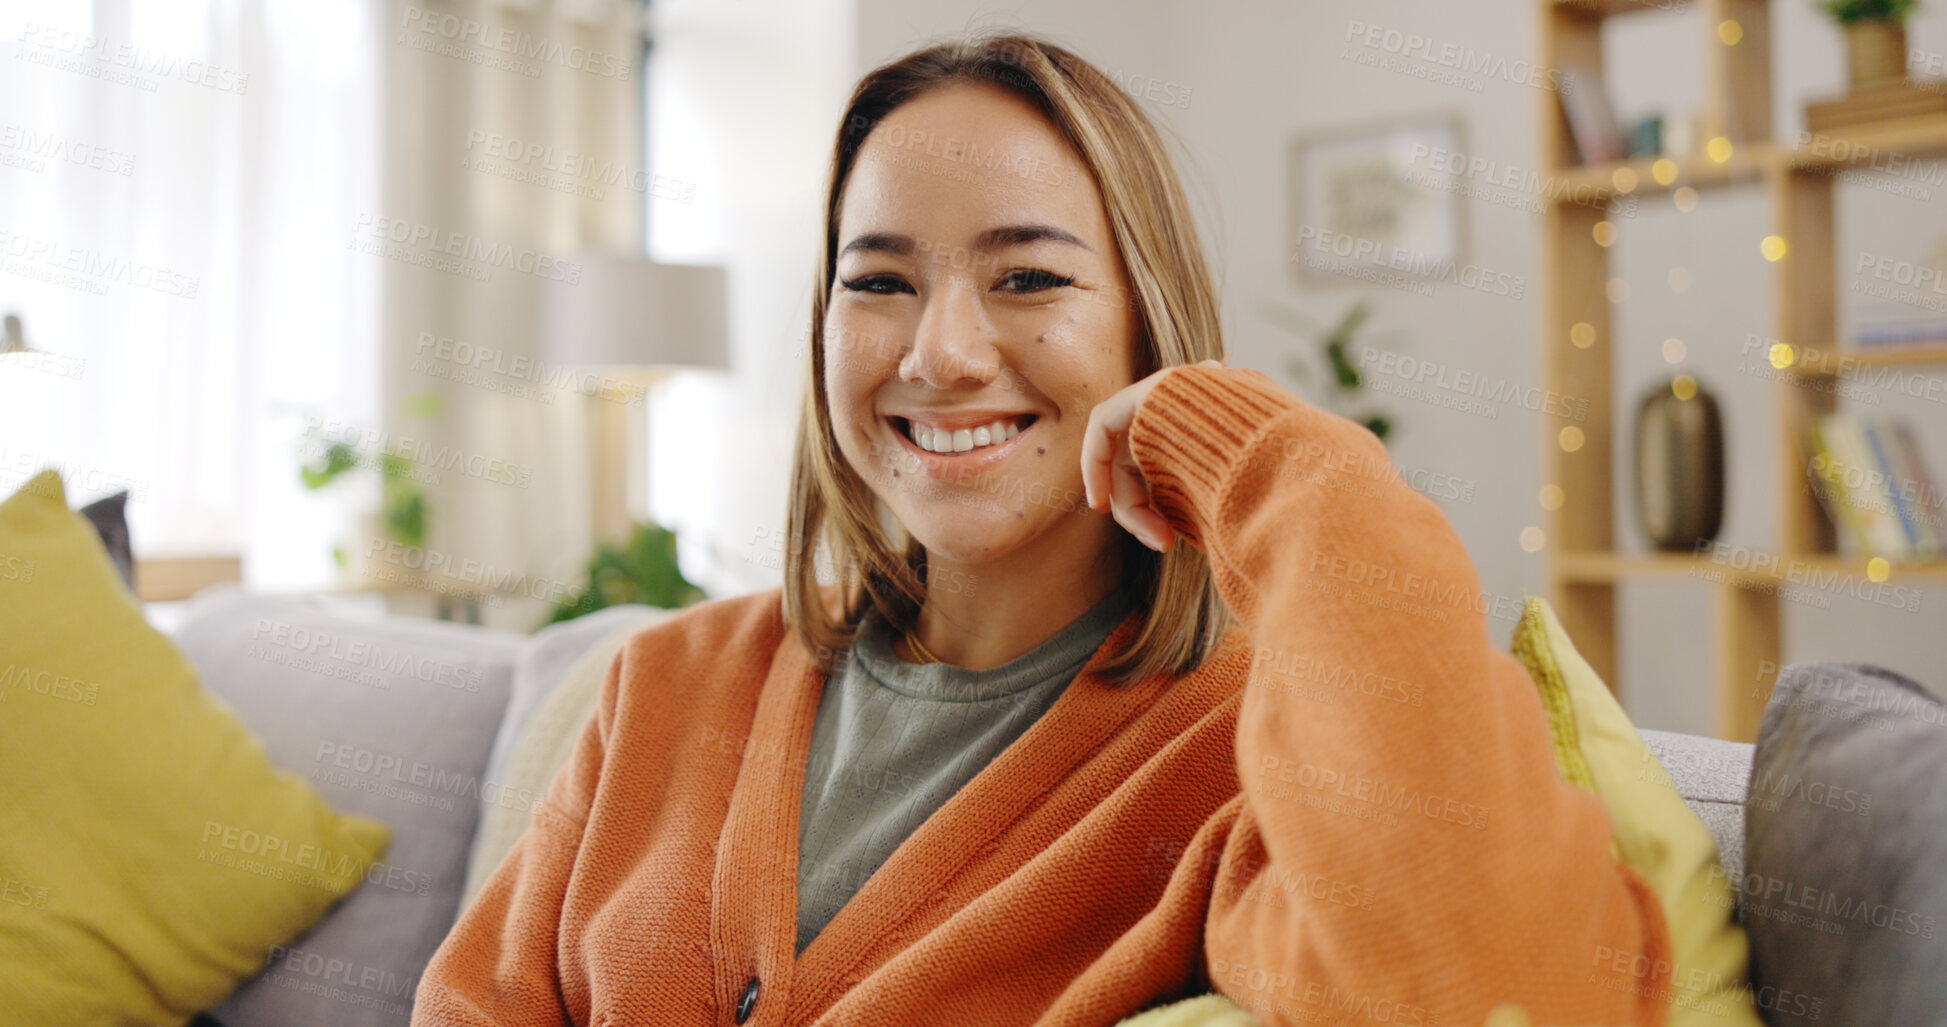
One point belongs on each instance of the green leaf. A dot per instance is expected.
(423, 404)
(1845, 12)
(405, 517)
(644, 570)
(336, 459)
(1348, 326)
(1344, 372)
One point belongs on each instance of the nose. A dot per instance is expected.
(953, 343)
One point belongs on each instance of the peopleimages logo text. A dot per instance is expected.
(431, 240)
(513, 43)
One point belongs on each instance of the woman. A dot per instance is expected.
(1139, 677)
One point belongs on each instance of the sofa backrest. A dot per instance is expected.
(1711, 775)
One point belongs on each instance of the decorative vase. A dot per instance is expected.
(1679, 466)
(1875, 50)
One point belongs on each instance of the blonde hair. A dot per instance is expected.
(1176, 308)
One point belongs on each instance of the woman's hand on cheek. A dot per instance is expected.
(1111, 478)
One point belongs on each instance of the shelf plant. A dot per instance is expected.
(1875, 36)
(1343, 392)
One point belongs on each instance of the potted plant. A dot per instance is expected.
(1343, 393)
(643, 571)
(402, 514)
(1875, 37)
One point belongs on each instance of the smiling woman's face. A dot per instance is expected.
(978, 312)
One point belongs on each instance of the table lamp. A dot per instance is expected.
(624, 322)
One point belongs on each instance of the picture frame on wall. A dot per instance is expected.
(1376, 202)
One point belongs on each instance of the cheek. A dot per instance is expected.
(852, 371)
(850, 411)
(1087, 357)
(853, 375)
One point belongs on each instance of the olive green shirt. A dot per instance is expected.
(893, 741)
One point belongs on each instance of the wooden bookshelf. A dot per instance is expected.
(1613, 567)
(172, 578)
(1599, 9)
(1582, 565)
(1832, 361)
(1643, 177)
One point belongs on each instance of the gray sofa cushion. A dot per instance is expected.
(388, 717)
(1845, 881)
(1710, 774)
(544, 657)
(557, 685)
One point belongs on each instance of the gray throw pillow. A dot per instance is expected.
(109, 515)
(1845, 877)
(388, 717)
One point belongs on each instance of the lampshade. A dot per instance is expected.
(629, 312)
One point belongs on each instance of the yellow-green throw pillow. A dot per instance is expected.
(1652, 831)
(150, 855)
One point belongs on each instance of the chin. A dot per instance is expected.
(968, 537)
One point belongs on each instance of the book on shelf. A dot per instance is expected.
(1826, 479)
(1929, 503)
(1876, 102)
(1592, 122)
(1888, 328)
(1915, 539)
(1869, 475)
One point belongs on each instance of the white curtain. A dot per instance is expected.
(176, 182)
(513, 142)
(222, 221)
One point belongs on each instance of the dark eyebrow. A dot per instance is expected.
(991, 239)
(880, 242)
(1019, 235)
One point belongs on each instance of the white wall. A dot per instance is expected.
(1258, 71)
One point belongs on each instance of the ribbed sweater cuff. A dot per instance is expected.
(1190, 432)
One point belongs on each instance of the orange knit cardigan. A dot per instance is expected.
(1348, 814)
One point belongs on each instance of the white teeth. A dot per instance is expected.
(942, 440)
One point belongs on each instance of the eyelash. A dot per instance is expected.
(1043, 279)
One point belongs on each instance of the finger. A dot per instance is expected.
(1135, 513)
(1098, 457)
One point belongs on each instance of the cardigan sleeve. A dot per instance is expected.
(499, 964)
(1407, 852)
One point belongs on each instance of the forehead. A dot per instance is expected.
(964, 157)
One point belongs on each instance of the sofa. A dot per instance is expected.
(410, 721)
(449, 733)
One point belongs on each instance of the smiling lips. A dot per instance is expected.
(939, 438)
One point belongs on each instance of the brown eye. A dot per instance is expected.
(884, 285)
(1034, 280)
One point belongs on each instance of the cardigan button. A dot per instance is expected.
(748, 1001)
